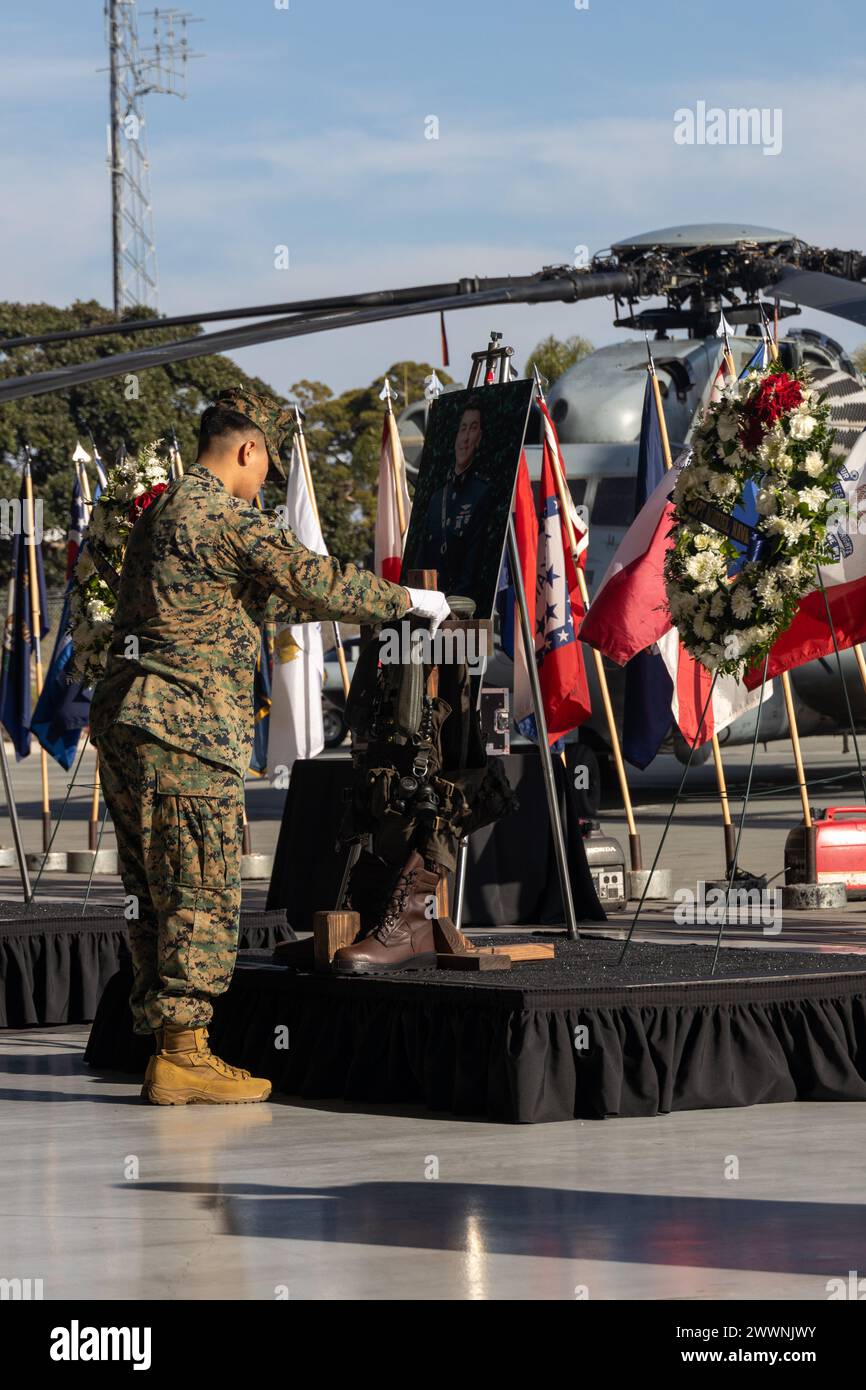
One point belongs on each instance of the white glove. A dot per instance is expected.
(429, 603)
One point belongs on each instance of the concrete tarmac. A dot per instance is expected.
(103, 1197)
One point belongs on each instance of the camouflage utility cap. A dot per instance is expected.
(273, 419)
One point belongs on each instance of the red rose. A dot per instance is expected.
(142, 502)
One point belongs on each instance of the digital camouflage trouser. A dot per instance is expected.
(179, 827)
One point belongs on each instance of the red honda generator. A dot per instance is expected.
(840, 849)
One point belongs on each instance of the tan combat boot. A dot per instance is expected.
(185, 1072)
(157, 1038)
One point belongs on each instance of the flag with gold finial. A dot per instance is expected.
(392, 504)
(296, 722)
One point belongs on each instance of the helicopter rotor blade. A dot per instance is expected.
(310, 307)
(564, 286)
(830, 294)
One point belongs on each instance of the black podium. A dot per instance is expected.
(511, 877)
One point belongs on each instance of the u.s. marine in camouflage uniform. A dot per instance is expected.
(172, 721)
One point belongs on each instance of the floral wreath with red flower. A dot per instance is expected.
(131, 487)
(771, 429)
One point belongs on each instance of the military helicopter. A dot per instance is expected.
(596, 407)
(699, 270)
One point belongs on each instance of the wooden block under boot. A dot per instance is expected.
(447, 940)
(474, 960)
(331, 930)
(527, 952)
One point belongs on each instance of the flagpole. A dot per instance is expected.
(83, 480)
(564, 506)
(311, 493)
(176, 460)
(4, 762)
(36, 620)
(721, 780)
(93, 820)
(793, 731)
(396, 455)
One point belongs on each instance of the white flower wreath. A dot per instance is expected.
(132, 485)
(771, 429)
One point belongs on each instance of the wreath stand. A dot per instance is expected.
(808, 827)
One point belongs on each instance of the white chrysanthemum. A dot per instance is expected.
(768, 592)
(84, 567)
(727, 425)
(97, 611)
(717, 605)
(742, 602)
(791, 571)
(813, 497)
(704, 566)
(722, 485)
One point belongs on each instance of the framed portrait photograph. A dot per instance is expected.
(465, 487)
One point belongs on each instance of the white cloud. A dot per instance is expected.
(366, 208)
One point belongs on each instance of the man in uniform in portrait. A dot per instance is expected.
(172, 720)
(458, 513)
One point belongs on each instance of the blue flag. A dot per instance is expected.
(19, 641)
(747, 507)
(649, 689)
(63, 708)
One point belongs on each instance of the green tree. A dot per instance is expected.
(131, 409)
(343, 432)
(553, 356)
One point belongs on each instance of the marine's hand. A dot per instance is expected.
(429, 603)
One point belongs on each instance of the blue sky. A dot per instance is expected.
(305, 127)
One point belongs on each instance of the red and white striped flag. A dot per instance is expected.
(551, 445)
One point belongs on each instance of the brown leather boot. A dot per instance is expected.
(370, 886)
(403, 938)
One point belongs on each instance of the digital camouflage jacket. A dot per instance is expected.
(202, 571)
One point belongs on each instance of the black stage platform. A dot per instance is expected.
(660, 1035)
(55, 963)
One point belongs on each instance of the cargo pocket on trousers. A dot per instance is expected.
(196, 849)
(198, 827)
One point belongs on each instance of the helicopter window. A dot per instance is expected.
(614, 502)
(559, 412)
(680, 375)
